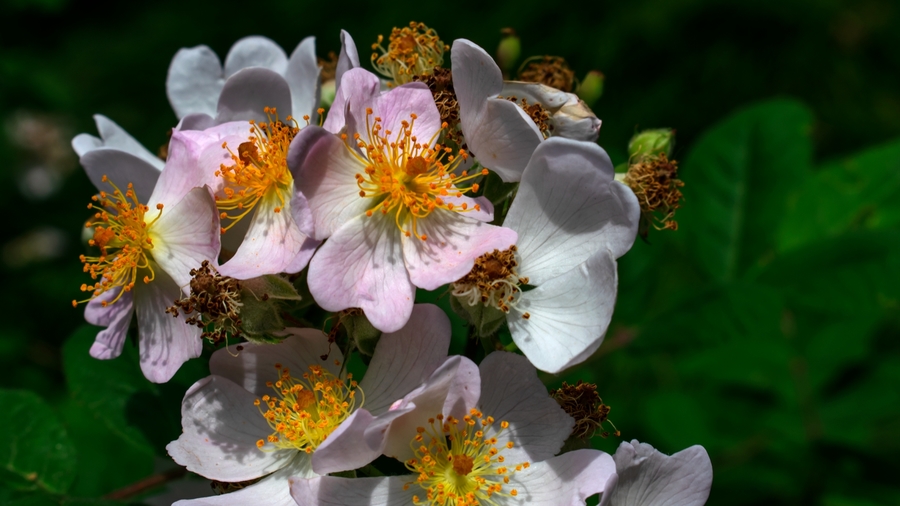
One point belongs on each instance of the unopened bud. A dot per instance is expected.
(508, 51)
(591, 87)
(328, 94)
(360, 330)
(650, 143)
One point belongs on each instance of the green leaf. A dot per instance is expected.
(737, 179)
(862, 191)
(271, 286)
(37, 452)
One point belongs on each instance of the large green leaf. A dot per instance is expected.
(36, 450)
(738, 178)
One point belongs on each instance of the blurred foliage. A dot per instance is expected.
(764, 329)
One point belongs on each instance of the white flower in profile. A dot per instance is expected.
(647, 477)
(273, 411)
(573, 221)
(495, 448)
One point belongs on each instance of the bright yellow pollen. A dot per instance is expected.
(260, 169)
(122, 233)
(406, 178)
(303, 412)
(412, 51)
(456, 465)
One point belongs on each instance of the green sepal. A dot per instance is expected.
(485, 319)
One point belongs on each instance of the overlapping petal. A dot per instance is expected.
(650, 478)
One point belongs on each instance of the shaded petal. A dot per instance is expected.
(395, 107)
(324, 171)
(346, 447)
(254, 365)
(249, 91)
(452, 245)
(272, 243)
(196, 155)
(566, 480)
(568, 207)
(650, 478)
(465, 390)
(116, 137)
(255, 51)
(347, 59)
(302, 75)
(197, 121)
(220, 428)
(333, 491)
(569, 315)
(512, 392)
(361, 265)
(273, 490)
(186, 235)
(194, 81)
(497, 131)
(121, 168)
(358, 83)
(404, 359)
(570, 117)
(115, 317)
(166, 342)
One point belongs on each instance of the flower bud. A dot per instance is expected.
(328, 94)
(591, 87)
(651, 143)
(360, 330)
(508, 51)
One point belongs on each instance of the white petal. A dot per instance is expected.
(566, 480)
(569, 315)
(650, 478)
(194, 81)
(255, 51)
(198, 121)
(165, 341)
(346, 447)
(406, 358)
(82, 143)
(121, 168)
(115, 317)
(220, 428)
(302, 75)
(348, 59)
(116, 137)
(249, 91)
(332, 491)
(512, 392)
(254, 364)
(186, 235)
(568, 207)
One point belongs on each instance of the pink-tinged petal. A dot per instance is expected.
(452, 245)
(358, 83)
(465, 391)
(249, 91)
(254, 365)
(346, 447)
(194, 81)
(165, 341)
(485, 211)
(361, 265)
(301, 260)
(220, 428)
(115, 317)
(185, 235)
(324, 171)
(395, 107)
(255, 51)
(650, 478)
(347, 59)
(497, 131)
(115, 137)
(406, 358)
(568, 315)
(273, 490)
(512, 392)
(566, 480)
(121, 168)
(271, 244)
(197, 121)
(302, 75)
(333, 491)
(568, 207)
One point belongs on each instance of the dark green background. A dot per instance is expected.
(765, 328)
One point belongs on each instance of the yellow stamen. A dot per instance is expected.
(412, 51)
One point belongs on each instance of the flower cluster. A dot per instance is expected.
(292, 188)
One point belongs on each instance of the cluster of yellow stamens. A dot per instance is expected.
(408, 178)
(412, 51)
(459, 463)
(123, 236)
(259, 171)
(493, 281)
(303, 412)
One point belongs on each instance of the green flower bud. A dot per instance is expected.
(508, 51)
(360, 330)
(328, 94)
(591, 87)
(651, 143)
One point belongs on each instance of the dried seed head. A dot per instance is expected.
(216, 300)
(655, 182)
(550, 70)
(582, 402)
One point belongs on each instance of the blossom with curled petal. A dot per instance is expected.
(387, 198)
(573, 221)
(496, 448)
(290, 409)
